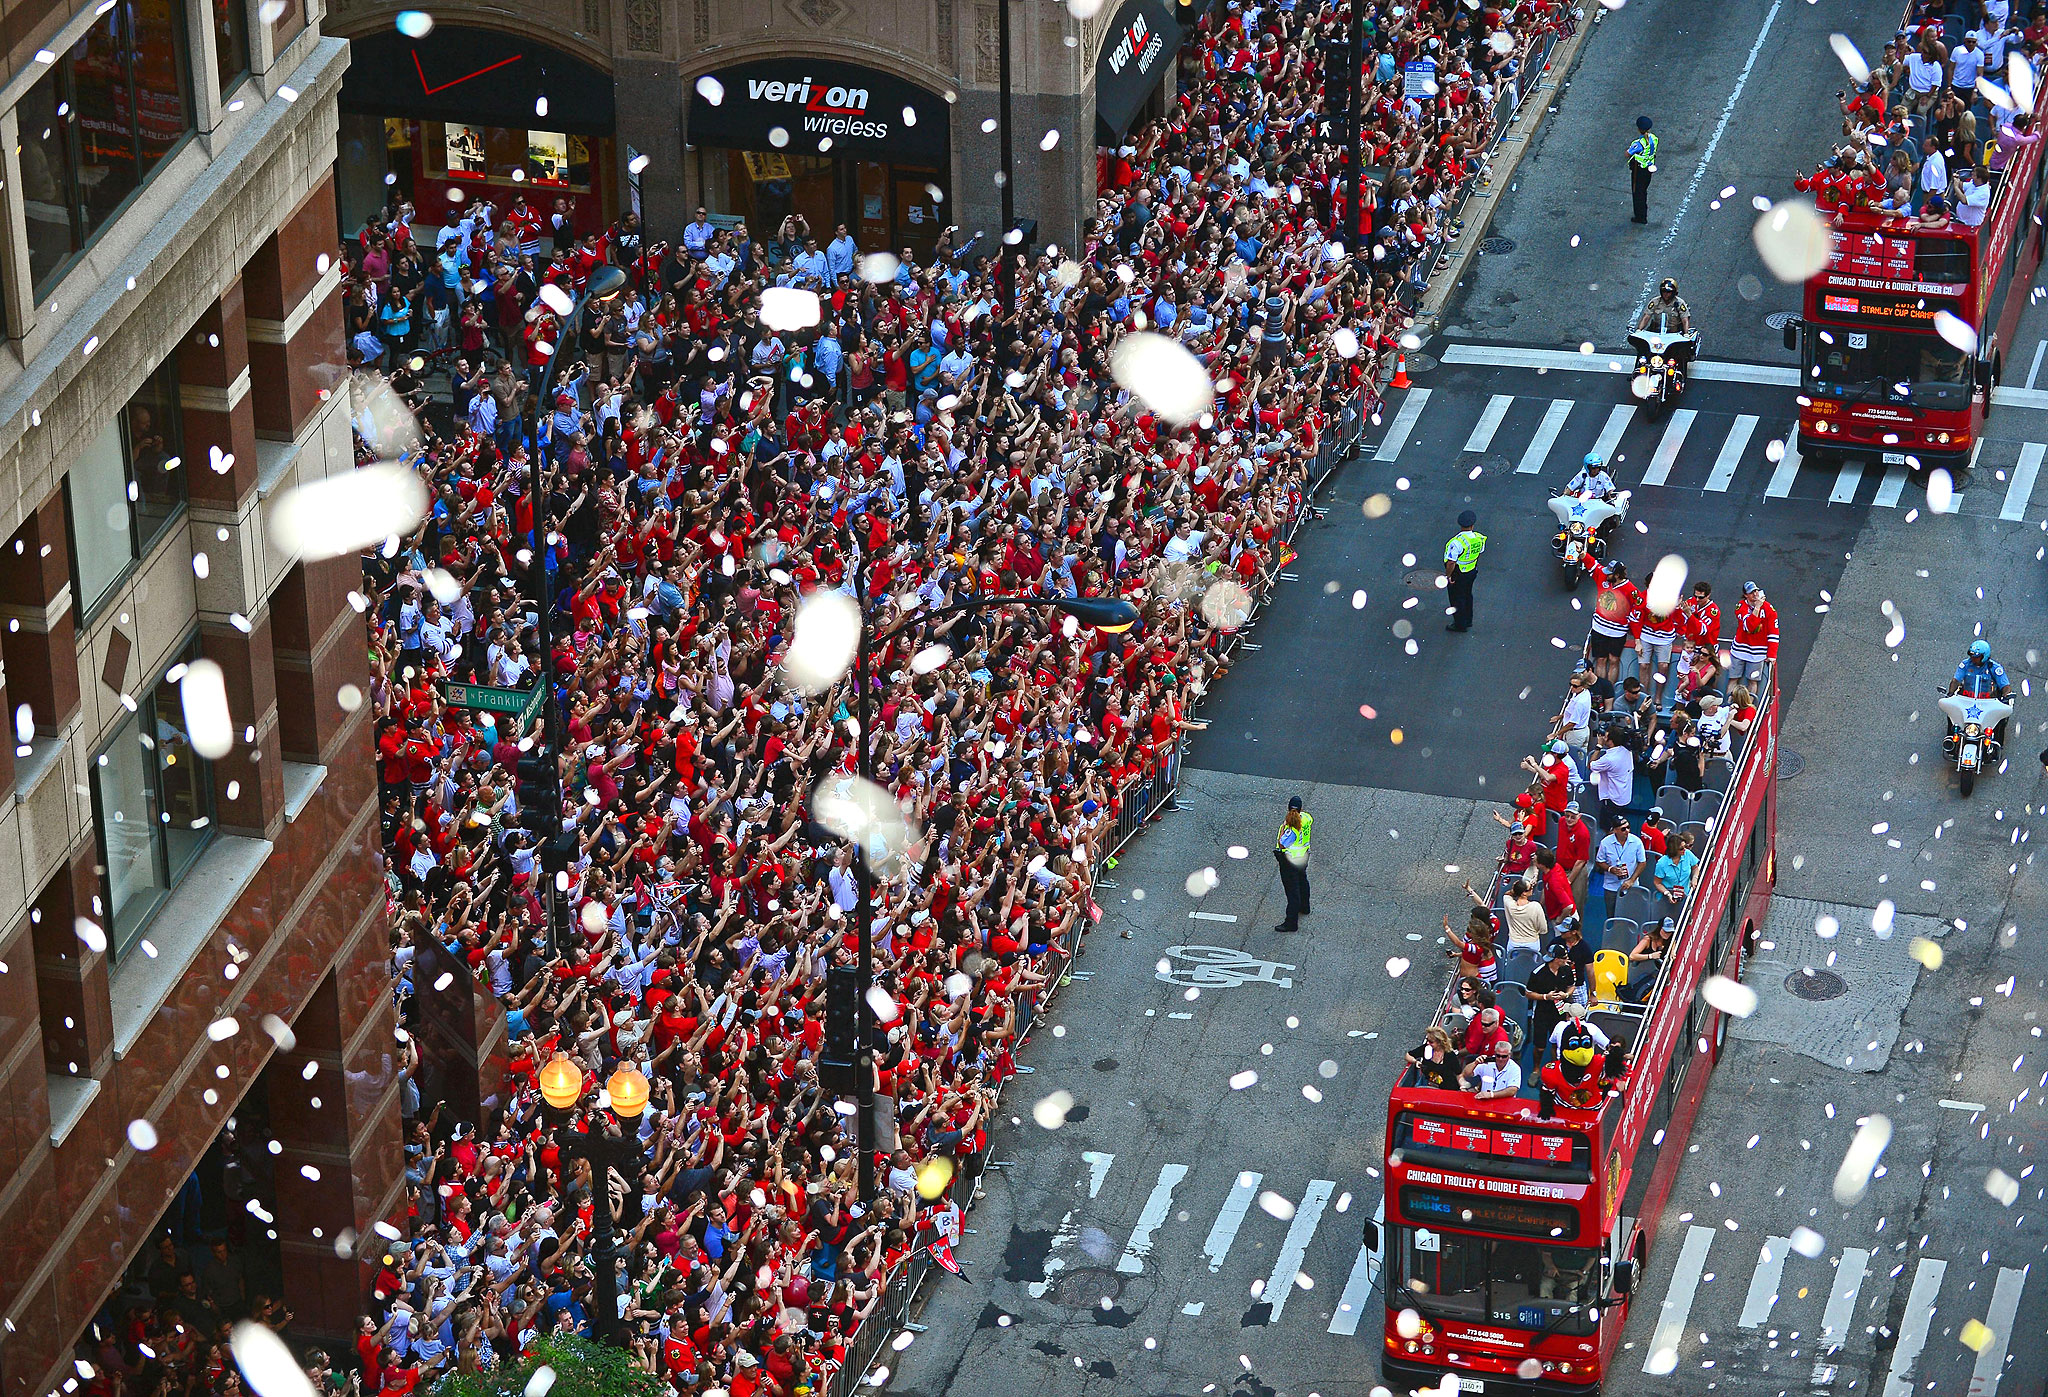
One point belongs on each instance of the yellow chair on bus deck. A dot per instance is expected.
(1610, 973)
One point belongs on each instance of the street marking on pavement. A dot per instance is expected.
(1610, 435)
(1221, 967)
(1913, 1326)
(1489, 420)
(1667, 449)
(1763, 1282)
(1193, 1307)
(2005, 1309)
(1788, 468)
(1948, 1105)
(1364, 1276)
(1180, 1016)
(1224, 1230)
(2020, 397)
(1891, 487)
(1212, 916)
(1098, 1163)
(1624, 362)
(1685, 1282)
(1054, 1262)
(1404, 423)
(1841, 1310)
(1846, 480)
(2024, 475)
(1132, 1262)
(1287, 1265)
(2034, 372)
(1546, 435)
(1731, 453)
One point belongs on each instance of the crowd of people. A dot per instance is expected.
(704, 471)
(1616, 750)
(1927, 135)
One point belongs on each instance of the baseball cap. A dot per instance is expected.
(1571, 807)
(1467, 519)
(1558, 749)
(1294, 802)
(1748, 587)
(1618, 822)
(1557, 950)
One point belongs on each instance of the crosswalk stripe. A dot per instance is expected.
(1287, 1265)
(2005, 1310)
(1546, 435)
(1667, 449)
(1610, 435)
(1351, 1304)
(1763, 1282)
(1489, 422)
(1132, 1262)
(1404, 423)
(1788, 468)
(1685, 1281)
(1224, 1231)
(1731, 453)
(1841, 1310)
(1913, 1326)
(1891, 487)
(1098, 1163)
(1846, 480)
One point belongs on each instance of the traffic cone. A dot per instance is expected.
(1400, 379)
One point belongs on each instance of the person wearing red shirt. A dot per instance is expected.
(1617, 618)
(1575, 850)
(1756, 636)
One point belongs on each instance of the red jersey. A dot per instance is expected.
(1617, 606)
(1756, 627)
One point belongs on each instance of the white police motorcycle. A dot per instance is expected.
(1972, 739)
(1580, 540)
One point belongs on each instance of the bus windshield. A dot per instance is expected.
(1881, 366)
(1499, 1280)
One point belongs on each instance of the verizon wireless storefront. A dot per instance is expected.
(835, 142)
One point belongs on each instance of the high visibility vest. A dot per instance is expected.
(1464, 549)
(1643, 150)
(1294, 842)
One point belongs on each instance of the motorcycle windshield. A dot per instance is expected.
(1962, 709)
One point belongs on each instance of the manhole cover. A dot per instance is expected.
(1816, 984)
(1496, 246)
(1419, 363)
(1790, 764)
(1086, 1286)
(1494, 464)
(1779, 319)
(1421, 579)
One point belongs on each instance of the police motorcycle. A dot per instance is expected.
(1975, 739)
(1663, 350)
(1584, 509)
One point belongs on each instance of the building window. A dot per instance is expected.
(286, 18)
(97, 125)
(152, 805)
(126, 488)
(230, 42)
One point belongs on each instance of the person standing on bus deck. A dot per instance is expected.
(1642, 163)
(1461, 560)
(1290, 851)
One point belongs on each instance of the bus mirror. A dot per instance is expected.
(1983, 371)
(1625, 1278)
(1792, 335)
(1372, 1236)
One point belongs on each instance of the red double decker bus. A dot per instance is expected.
(1513, 1237)
(1878, 381)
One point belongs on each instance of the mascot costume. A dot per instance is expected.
(1585, 1066)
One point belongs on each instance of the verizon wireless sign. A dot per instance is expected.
(804, 107)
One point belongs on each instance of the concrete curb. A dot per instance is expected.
(1484, 200)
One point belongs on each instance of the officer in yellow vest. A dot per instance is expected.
(1642, 163)
(1461, 560)
(1290, 851)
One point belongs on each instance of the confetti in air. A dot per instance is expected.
(1163, 375)
(790, 308)
(1852, 1180)
(827, 632)
(203, 692)
(266, 1362)
(1051, 1112)
(1852, 58)
(350, 512)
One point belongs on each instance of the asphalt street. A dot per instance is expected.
(1143, 1246)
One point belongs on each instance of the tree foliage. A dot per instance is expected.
(582, 1368)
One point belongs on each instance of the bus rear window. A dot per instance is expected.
(1943, 261)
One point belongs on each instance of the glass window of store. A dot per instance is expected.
(152, 804)
(98, 124)
(125, 488)
(230, 42)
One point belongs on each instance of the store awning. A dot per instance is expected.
(1142, 41)
(478, 77)
(808, 106)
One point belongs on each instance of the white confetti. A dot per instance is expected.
(203, 693)
(1852, 1180)
(1729, 996)
(1793, 241)
(790, 308)
(1666, 582)
(1051, 1111)
(712, 91)
(1163, 375)
(827, 633)
(1852, 59)
(266, 1362)
(350, 512)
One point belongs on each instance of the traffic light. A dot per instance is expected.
(557, 852)
(540, 794)
(1336, 83)
(836, 1060)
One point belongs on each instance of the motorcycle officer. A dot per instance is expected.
(1980, 676)
(1592, 481)
(1667, 302)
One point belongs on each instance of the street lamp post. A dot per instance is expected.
(1111, 614)
(1006, 273)
(606, 1146)
(603, 284)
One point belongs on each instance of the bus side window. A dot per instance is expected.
(1942, 260)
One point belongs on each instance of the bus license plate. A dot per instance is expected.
(1895, 458)
(1466, 1384)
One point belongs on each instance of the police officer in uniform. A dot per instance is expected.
(1461, 559)
(1290, 851)
(1642, 162)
